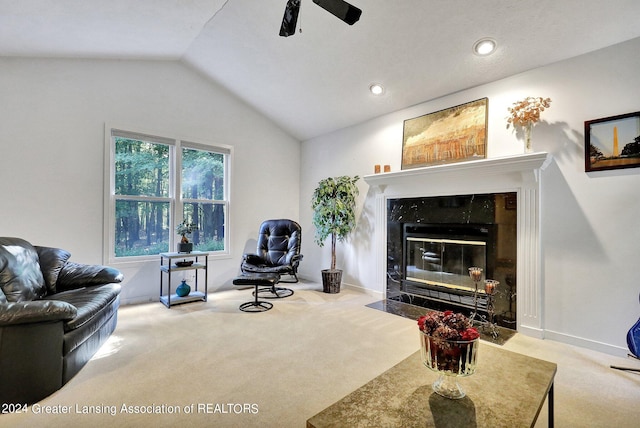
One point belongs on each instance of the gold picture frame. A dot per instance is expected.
(455, 134)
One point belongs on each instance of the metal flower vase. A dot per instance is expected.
(451, 359)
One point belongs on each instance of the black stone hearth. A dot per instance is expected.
(490, 218)
(414, 312)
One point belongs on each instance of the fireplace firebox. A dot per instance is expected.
(441, 255)
(432, 243)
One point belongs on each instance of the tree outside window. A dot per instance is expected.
(145, 207)
(203, 197)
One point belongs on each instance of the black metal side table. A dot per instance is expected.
(176, 262)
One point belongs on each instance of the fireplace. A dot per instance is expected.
(519, 175)
(432, 242)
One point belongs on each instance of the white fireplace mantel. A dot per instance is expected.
(520, 174)
(527, 164)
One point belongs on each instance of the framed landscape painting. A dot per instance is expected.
(612, 142)
(452, 135)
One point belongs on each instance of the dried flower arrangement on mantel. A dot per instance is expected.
(526, 113)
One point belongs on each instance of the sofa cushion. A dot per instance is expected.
(20, 275)
(51, 261)
(89, 301)
(36, 311)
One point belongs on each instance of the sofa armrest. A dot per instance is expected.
(35, 311)
(77, 275)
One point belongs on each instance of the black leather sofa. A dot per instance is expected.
(54, 316)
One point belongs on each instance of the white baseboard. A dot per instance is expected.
(367, 291)
(531, 331)
(593, 345)
(138, 300)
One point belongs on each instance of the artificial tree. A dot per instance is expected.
(334, 214)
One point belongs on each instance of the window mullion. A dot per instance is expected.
(142, 198)
(176, 194)
(205, 201)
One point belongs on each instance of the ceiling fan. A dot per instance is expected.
(338, 8)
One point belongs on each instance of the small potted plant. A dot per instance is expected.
(184, 229)
(334, 214)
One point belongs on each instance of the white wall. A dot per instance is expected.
(590, 230)
(52, 119)
(52, 115)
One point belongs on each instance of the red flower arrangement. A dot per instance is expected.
(447, 325)
(448, 342)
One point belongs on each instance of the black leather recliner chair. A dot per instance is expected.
(278, 252)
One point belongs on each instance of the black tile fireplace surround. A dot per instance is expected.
(432, 241)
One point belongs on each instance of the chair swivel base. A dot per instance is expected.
(256, 305)
(274, 292)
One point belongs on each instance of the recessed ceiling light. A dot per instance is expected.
(484, 47)
(376, 89)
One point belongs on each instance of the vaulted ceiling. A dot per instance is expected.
(317, 80)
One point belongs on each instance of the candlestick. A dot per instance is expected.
(490, 288)
(476, 274)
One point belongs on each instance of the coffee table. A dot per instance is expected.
(507, 390)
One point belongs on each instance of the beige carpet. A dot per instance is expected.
(208, 364)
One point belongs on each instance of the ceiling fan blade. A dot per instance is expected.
(290, 18)
(341, 9)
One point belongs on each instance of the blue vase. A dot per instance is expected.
(183, 289)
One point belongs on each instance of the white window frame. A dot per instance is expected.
(175, 199)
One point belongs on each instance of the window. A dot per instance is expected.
(155, 184)
(203, 201)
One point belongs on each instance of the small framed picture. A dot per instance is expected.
(612, 142)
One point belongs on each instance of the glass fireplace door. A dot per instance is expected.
(443, 262)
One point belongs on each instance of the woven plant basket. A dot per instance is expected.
(331, 280)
